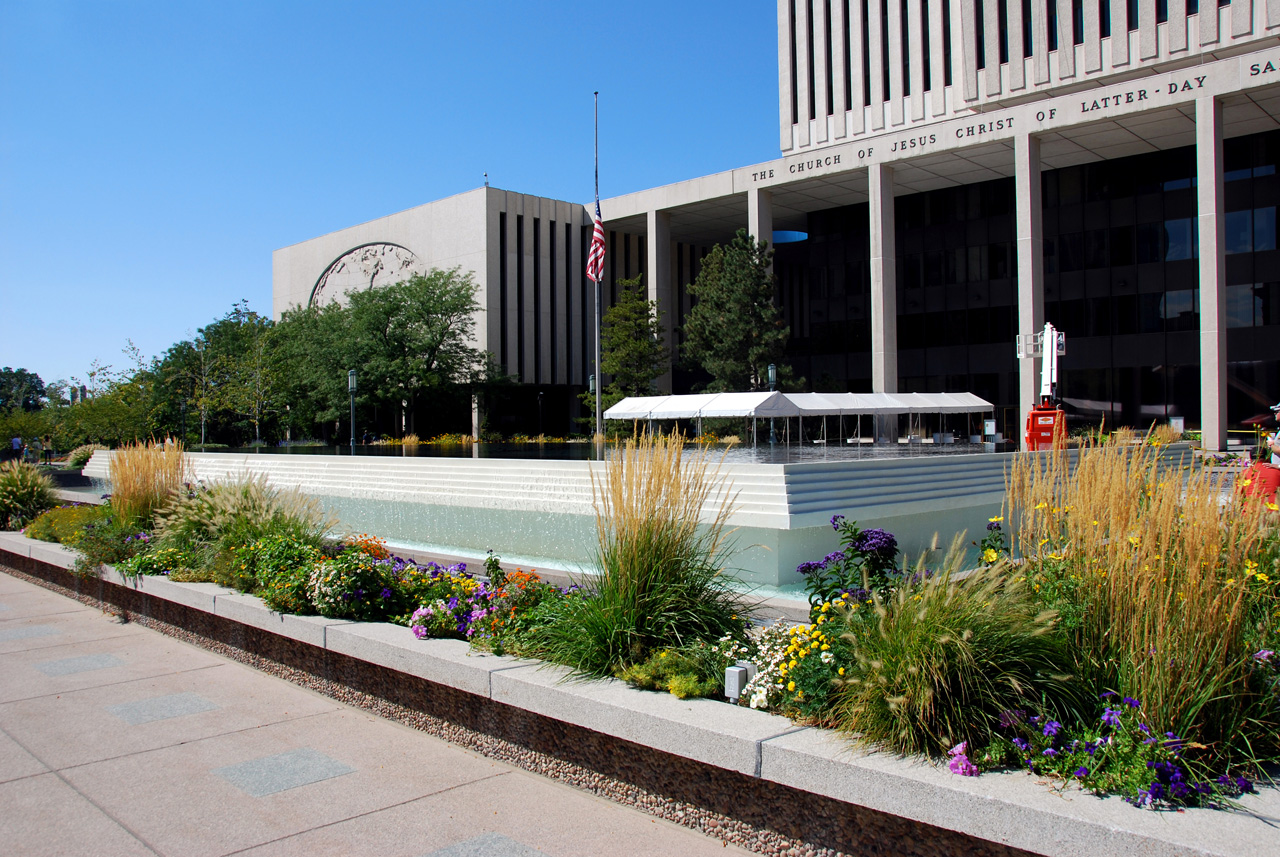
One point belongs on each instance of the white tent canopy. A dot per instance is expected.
(766, 405)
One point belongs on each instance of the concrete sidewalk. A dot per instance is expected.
(115, 739)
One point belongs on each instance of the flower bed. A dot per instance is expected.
(1017, 664)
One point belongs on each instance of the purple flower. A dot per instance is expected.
(386, 593)
(1132, 703)
(1107, 694)
(1052, 728)
(1050, 752)
(805, 568)
(1263, 656)
(1011, 717)
(877, 543)
(1111, 717)
(835, 521)
(833, 557)
(960, 763)
(1022, 745)
(993, 525)
(1081, 772)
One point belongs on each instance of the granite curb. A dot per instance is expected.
(1002, 809)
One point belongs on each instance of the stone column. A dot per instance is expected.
(760, 214)
(884, 292)
(1213, 275)
(1030, 234)
(658, 274)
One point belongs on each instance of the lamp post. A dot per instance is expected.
(773, 382)
(351, 388)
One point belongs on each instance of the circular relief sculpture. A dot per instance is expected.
(364, 267)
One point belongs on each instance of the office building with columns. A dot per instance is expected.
(959, 172)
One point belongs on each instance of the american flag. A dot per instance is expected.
(595, 256)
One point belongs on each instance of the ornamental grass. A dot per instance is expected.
(1155, 570)
(144, 478)
(944, 656)
(25, 492)
(662, 581)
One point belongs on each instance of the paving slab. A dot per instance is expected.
(54, 629)
(16, 761)
(123, 718)
(497, 816)
(22, 677)
(33, 604)
(181, 800)
(282, 771)
(44, 817)
(161, 708)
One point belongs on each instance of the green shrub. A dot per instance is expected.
(65, 524)
(662, 581)
(79, 457)
(25, 492)
(943, 657)
(214, 524)
(282, 566)
(165, 561)
(687, 671)
(108, 541)
(355, 586)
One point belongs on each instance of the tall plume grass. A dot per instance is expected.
(662, 579)
(145, 477)
(1149, 559)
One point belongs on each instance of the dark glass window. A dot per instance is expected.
(1181, 237)
(1244, 304)
(926, 60)
(1104, 18)
(946, 42)
(980, 34)
(1179, 310)
(1264, 228)
(1162, 11)
(1077, 22)
(1238, 231)
(1051, 19)
(1028, 43)
(1131, 8)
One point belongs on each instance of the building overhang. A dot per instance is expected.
(1145, 113)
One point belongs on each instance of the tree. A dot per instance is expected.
(633, 350)
(20, 389)
(415, 337)
(249, 374)
(734, 330)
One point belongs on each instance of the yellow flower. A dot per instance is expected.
(840, 671)
(1273, 507)
(792, 665)
(826, 605)
(1042, 506)
(791, 685)
(1263, 577)
(989, 555)
(825, 647)
(1133, 540)
(996, 520)
(1095, 523)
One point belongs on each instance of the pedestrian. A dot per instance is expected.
(1272, 441)
(48, 449)
(367, 439)
(35, 451)
(16, 448)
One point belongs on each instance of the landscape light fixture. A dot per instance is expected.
(351, 388)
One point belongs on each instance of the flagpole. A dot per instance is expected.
(599, 378)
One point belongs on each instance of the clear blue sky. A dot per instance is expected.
(153, 154)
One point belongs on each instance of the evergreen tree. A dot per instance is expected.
(633, 351)
(734, 330)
